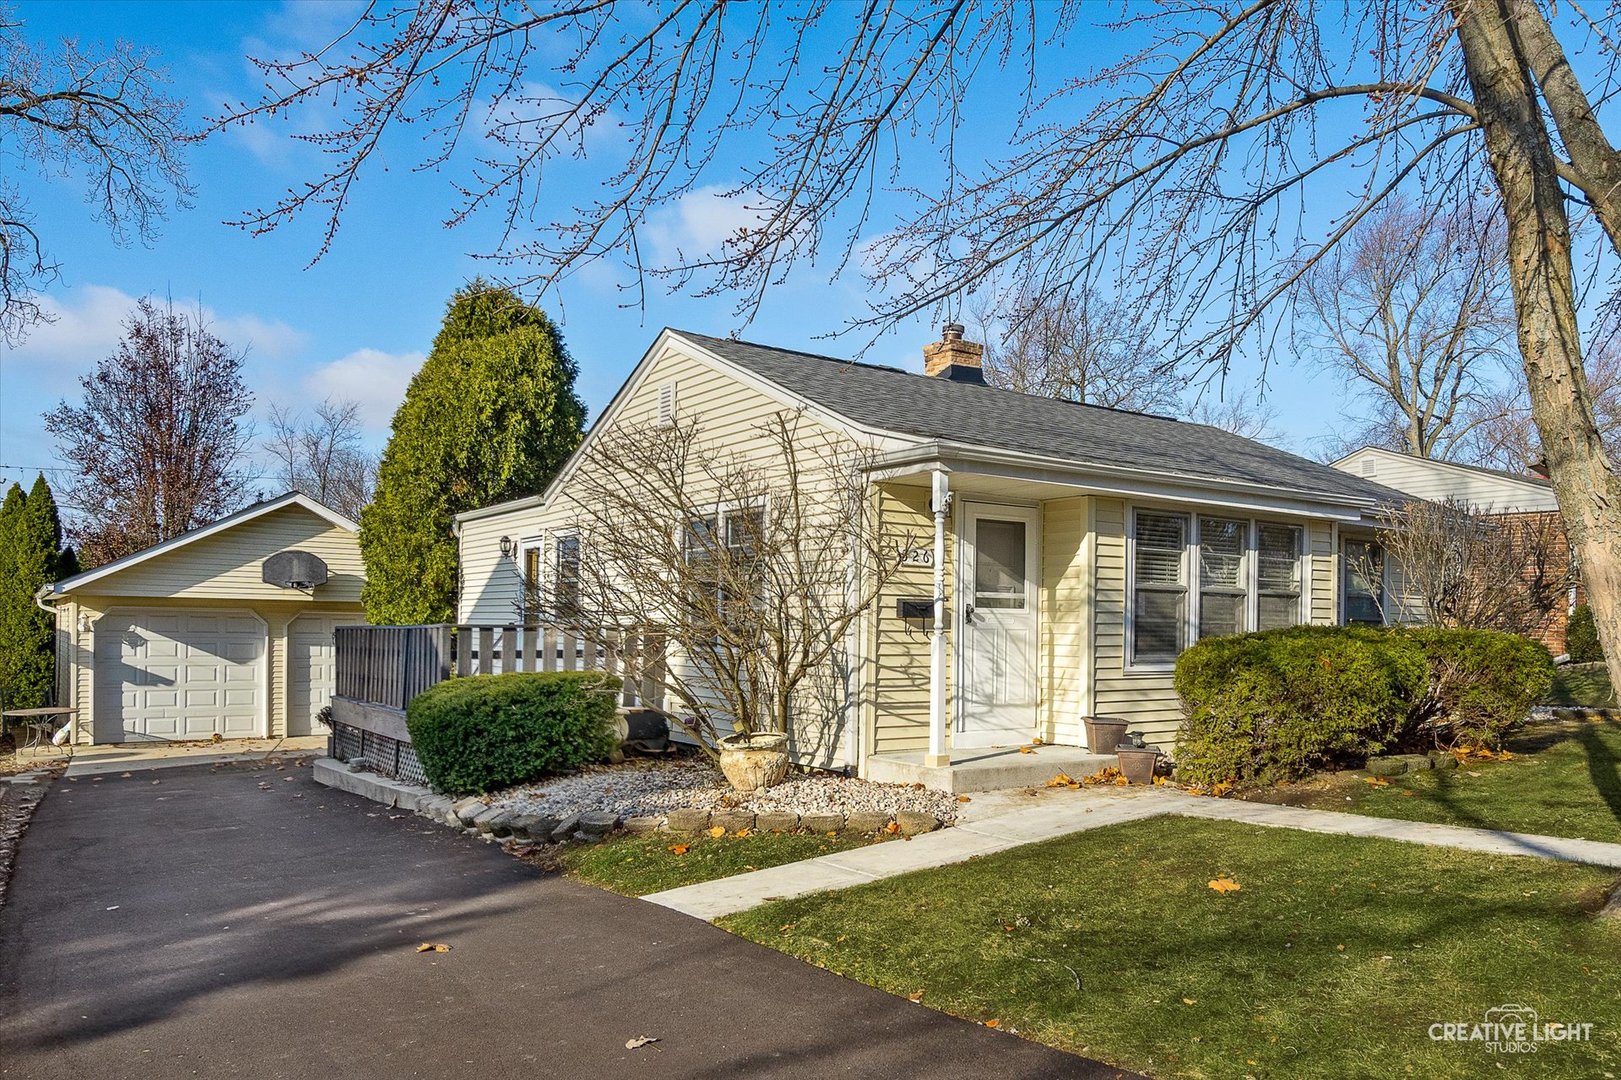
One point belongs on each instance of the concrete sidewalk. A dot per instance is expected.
(1007, 823)
(126, 757)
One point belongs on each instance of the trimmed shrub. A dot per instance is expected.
(1278, 704)
(487, 732)
(1482, 684)
(1581, 637)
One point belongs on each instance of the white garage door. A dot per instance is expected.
(310, 672)
(179, 675)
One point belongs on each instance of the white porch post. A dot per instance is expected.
(937, 755)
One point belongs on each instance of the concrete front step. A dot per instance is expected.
(990, 769)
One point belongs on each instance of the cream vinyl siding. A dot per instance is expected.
(227, 564)
(1067, 554)
(898, 685)
(1439, 481)
(1145, 699)
(729, 414)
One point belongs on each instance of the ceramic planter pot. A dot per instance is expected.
(752, 762)
(1103, 733)
(1137, 763)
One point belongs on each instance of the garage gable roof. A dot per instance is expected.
(229, 521)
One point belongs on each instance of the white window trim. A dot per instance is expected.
(1190, 571)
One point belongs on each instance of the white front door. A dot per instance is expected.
(997, 606)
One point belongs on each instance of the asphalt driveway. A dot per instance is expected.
(245, 921)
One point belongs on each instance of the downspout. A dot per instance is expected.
(937, 755)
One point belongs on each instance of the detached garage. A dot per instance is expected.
(225, 630)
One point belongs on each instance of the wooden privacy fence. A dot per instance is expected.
(390, 665)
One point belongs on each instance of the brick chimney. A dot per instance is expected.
(953, 358)
(1539, 468)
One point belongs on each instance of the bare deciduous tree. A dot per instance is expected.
(1413, 312)
(70, 112)
(1177, 174)
(322, 455)
(1491, 572)
(159, 439)
(1080, 347)
(755, 568)
(1506, 436)
(1237, 411)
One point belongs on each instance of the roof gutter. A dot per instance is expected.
(975, 454)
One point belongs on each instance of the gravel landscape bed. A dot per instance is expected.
(641, 788)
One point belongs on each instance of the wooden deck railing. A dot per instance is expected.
(390, 665)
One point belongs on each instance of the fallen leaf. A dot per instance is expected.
(742, 833)
(1061, 780)
(1190, 1001)
(1026, 750)
(718, 831)
(641, 1041)
(679, 849)
(915, 995)
(1339, 948)
(993, 1023)
(892, 828)
(441, 948)
(1224, 884)
(960, 798)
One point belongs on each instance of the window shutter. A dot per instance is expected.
(667, 404)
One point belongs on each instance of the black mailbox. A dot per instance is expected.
(914, 608)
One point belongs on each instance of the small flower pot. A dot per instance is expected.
(1137, 763)
(1103, 733)
(752, 762)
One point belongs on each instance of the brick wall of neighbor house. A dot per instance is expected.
(1548, 526)
(897, 687)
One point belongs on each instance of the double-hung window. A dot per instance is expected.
(1194, 577)
(566, 577)
(1160, 587)
(1223, 577)
(1277, 572)
(721, 547)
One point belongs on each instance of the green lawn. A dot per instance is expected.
(1331, 961)
(1564, 779)
(1582, 684)
(638, 865)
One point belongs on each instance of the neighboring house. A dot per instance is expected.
(1085, 547)
(1491, 492)
(197, 637)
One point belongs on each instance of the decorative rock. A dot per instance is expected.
(732, 820)
(776, 821)
(535, 826)
(912, 823)
(689, 821)
(1442, 760)
(863, 822)
(565, 828)
(821, 823)
(1418, 762)
(468, 809)
(1387, 766)
(643, 824)
(493, 821)
(597, 824)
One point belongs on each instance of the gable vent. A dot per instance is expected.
(667, 404)
(1369, 468)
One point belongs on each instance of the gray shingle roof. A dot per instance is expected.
(907, 403)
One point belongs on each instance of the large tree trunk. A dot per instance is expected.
(1543, 280)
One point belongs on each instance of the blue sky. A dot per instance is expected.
(356, 323)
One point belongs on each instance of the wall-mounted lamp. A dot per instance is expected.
(509, 547)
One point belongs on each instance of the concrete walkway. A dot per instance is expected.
(121, 757)
(1005, 823)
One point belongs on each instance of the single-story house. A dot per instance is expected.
(1084, 547)
(224, 630)
(1494, 493)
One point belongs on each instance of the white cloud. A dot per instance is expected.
(701, 222)
(374, 379)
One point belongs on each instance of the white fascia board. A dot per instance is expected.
(1135, 483)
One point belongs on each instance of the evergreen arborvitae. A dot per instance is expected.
(31, 557)
(492, 415)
